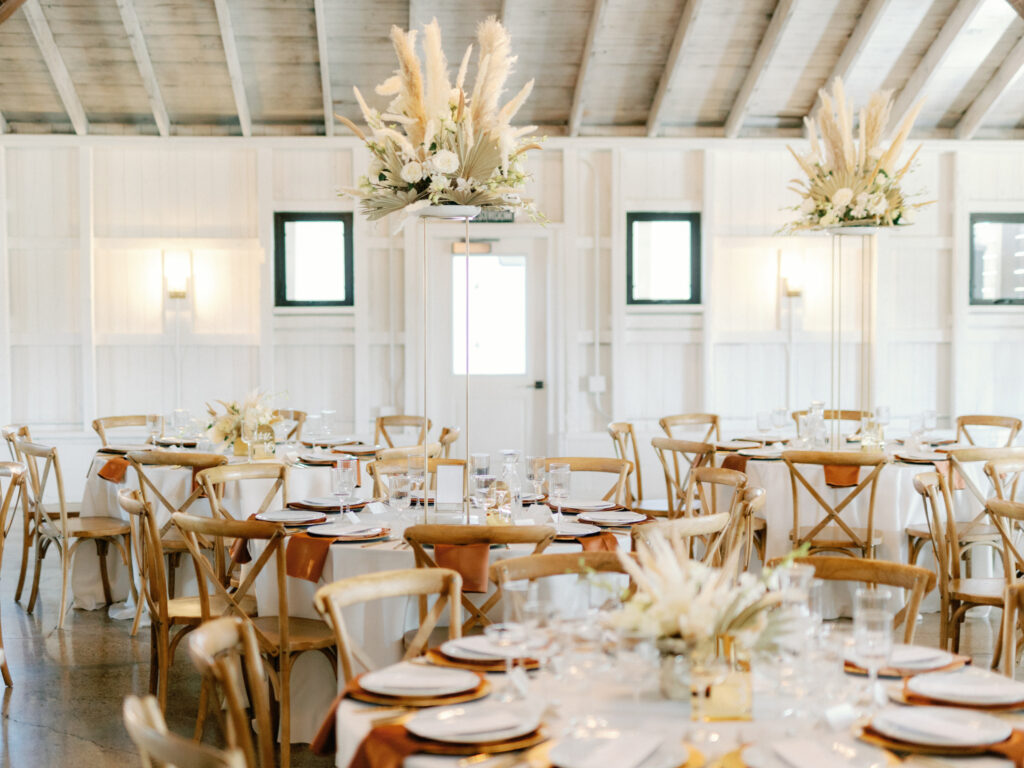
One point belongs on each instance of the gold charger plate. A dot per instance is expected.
(436, 656)
(384, 533)
(735, 759)
(487, 747)
(359, 694)
(878, 740)
(958, 661)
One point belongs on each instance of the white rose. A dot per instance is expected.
(438, 184)
(842, 198)
(446, 161)
(463, 184)
(411, 172)
(807, 206)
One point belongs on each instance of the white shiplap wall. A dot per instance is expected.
(87, 329)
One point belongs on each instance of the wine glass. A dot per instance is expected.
(327, 426)
(512, 632)
(311, 430)
(180, 418)
(779, 418)
(930, 420)
(883, 415)
(764, 425)
(417, 475)
(249, 432)
(558, 487)
(872, 635)
(343, 482)
(153, 427)
(398, 493)
(536, 468)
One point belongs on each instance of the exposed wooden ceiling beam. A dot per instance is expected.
(576, 111)
(780, 19)
(855, 45)
(55, 63)
(141, 53)
(227, 36)
(671, 70)
(959, 18)
(325, 66)
(8, 7)
(1018, 6)
(1008, 73)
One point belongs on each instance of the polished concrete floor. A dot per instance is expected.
(65, 705)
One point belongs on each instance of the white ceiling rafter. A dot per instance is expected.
(55, 63)
(140, 51)
(576, 111)
(1009, 72)
(769, 43)
(855, 45)
(325, 66)
(671, 71)
(227, 36)
(960, 17)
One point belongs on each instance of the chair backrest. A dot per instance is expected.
(678, 459)
(741, 532)
(683, 532)
(624, 442)
(620, 468)
(448, 437)
(289, 414)
(796, 460)
(706, 487)
(917, 580)
(382, 469)
(434, 450)
(35, 488)
(959, 461)
(938, 506)
(532, 567)
(151, 492)
(443, 583)
(1008, 517)
(220, 650)
(214, 479)
(400, 421)
(157, 746)
(691, 422)
(1012, 622)
(102, 424)
(1009, 423)
(1005, 476)
(835, 414)
(13, 432)
(12, 473)
(148, 551)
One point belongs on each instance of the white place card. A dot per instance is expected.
(449, 484)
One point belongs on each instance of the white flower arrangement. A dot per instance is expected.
(439, 144)
(227, 426)
(853, 181)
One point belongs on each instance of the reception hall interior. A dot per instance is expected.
(512, 383)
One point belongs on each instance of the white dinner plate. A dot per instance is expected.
(327, 502)
(317, 458)
(968, 685)
(565, 528)
(345, 530)
(941, 726)
(293, 516)
(407, 679)
(735, 445)
(532, 498)
(328, 442)
(475, 723)
(587, 504)
(921, 457)
(184, 442)
(821, 752)
(612, 517)
(480, 648)
(761, 453)
(612, 748)
(917, 657)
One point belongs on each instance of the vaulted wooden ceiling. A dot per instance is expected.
(602, 67)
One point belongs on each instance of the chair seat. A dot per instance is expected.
(186, 610)
(97, 527)
(437, 636)
(834, 536)
(173, 541)
(53, 510)
(977, 532)
(303, 634)
(980, 591)
(758, 524)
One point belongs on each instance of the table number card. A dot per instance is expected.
(449, 484)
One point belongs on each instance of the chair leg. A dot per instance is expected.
(944, 613)
(204, 705)
(997, 653)
(65, 568)
(173, 559)
(102, 547)
(286, 714)
(154, 661)
(34, 592)
(138, 613)
(26, 546)
(4, 671)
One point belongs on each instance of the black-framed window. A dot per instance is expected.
(313, 260)
(662, 258)
(997, 258)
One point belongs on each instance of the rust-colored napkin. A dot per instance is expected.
(1011, 749)
(470, 560)
(240, 548)
(325, 742)
(195, 483)
(735, 461)
(838, 476)
(114, 470)
(955, 479)
(305, 556)
(386, 746)
(599, 542)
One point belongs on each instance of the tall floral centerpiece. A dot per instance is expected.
(227, 425)
(854, 186)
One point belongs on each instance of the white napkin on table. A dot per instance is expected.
(474, 722)
(406, 675)
(624, 752)
(804, 753)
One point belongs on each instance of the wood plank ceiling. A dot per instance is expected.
(603, 67)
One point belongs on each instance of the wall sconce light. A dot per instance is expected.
(789, 276)
(792, 288)
(177, 273)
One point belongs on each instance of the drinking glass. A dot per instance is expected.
(872, 635)
(480, 464)
(180, 418)
(779, 418)
(343, 481)
(311, 429)
(417, 474)
(883, 415)
(480, 489)
(558, 487)
(153, 427)
(764, 424)
(916, 425)
(536, 468)
(636, 660)
(512, 631)
(398, 492)
(249, 431)
(929, 420)
(328, 418)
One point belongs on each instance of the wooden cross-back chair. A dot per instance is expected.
(682, 533)
(748, 527)
(957, 594)
(400, 421)
(678, 459)
(1008, 517)
(1013, 625)
(832, 533)
(1009, 423)
(1005, 476)
(533, 567)
(281, 637)
(102, 424)
(214, 479)
(619, 468)
(442, 583)
(434, 450)
(916, 580)
(226, 653)
(691, 422)
(707, 485)
(447, 438)
(147, 728)
(382, 469)
(289, 414)
(14, 475)
(836, 414)
(11, 434)
(65, 533)
(420, 537)
(624, 441)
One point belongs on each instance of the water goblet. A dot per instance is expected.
(536, 468)
(250, 430)
(872, 634)
(343, 482)
(764, 424)
(558, 487)
(779, 418)
(398, 493)
(180, 418)
(417, 474)
(153, 424)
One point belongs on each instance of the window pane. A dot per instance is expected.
(497, 321)
(315, 260)
(998, 251)
(661, 260)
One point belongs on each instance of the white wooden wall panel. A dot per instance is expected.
(44, 290)
(135, 378)
(42, 193)
(129, 292)
(45, 389)
(311, 174)
(226, 288)
(317, 375)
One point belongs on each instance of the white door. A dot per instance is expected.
(507, 332)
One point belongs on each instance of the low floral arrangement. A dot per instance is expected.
(683, 599)
(853, 181)
(226, 426)
(439, 144)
